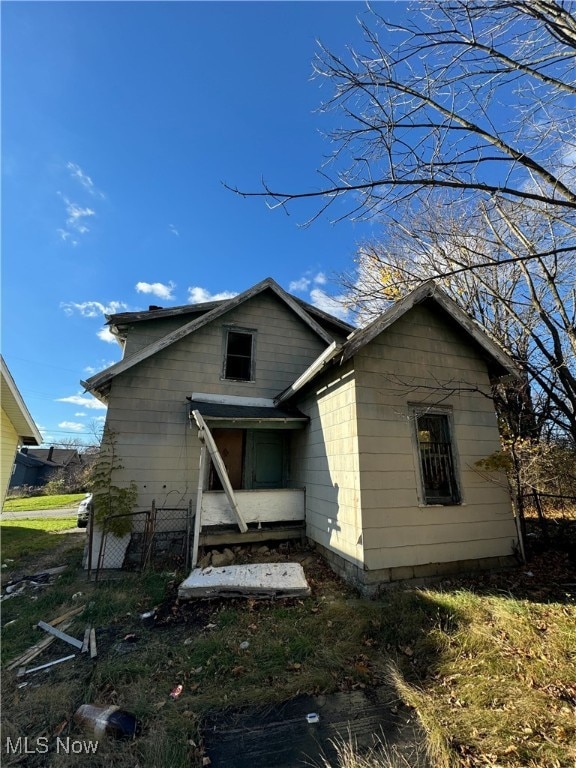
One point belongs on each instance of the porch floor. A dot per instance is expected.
(216, 535)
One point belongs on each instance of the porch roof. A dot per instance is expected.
(213, 412)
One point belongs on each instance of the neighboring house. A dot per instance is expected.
(18, 427)
(37, 467)
(366, 437)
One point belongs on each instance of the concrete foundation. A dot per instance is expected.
(371, 583)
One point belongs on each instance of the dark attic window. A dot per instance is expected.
(239, 362)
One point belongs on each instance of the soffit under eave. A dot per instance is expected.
(101, 392)
(18, 415)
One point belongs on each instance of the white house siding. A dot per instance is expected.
(148, 411)
(7, 451)
(417, 361)
(325, 461)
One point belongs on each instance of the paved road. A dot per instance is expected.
(68, 512)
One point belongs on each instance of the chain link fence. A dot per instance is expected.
(158, 537)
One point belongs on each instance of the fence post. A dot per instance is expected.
(149, 535)
(542, 520)
(90, 543)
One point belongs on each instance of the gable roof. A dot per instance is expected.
(54, 457)
(100, 380)
(502, 363)
(119, 321)
(15, 408)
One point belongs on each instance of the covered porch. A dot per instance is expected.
(244, 489)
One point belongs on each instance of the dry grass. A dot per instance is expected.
(489, 665)
(502, 688)
(379, 756)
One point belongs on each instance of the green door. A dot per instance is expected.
(266, 461)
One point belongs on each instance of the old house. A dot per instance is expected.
(38, 466)
(366, 439)
(18, 427)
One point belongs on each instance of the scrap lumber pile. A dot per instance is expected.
(56, 630)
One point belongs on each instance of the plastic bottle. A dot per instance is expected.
(106, 721)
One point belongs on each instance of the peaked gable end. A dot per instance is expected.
(499, 361)
(99, 383)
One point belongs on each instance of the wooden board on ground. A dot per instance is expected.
(60, 635)
(35, 650)
(254, 580)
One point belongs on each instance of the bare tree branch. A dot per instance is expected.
(475, 97)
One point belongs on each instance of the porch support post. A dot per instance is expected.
(198, 516)
(206, 436)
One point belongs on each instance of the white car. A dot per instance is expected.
(84, 510)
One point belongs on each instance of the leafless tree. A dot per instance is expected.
(457, 130)
(478, 253)
(471, 97)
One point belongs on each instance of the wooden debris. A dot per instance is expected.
(35, 650)
(60, 635)
(86, 643)
(55, 571)
(67, 615)
(22, 672)
(93, 651)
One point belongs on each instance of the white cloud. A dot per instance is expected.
(300, 285)
(160, 290)
(84, 401)
(99, 418)
(75, 213)
(71, 426)
(173, 229)
(197, 295)
(101, 366)
(303, 283)
(78, 174)
(334, 305)
(331, 304)
(76, 217)
(92, 308)
(105, 335)
(65, 235)
(80, 413)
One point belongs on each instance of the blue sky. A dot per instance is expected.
(120, 121)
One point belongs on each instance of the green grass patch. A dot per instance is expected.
(34, 503)
(32, 535)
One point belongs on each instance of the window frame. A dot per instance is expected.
(425, 498)
(247, 332)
